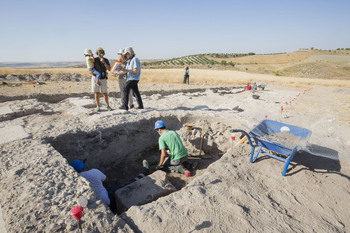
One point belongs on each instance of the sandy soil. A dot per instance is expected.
(226, 194)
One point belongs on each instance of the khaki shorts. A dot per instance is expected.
(100, 89)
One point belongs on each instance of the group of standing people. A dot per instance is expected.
(128, 70)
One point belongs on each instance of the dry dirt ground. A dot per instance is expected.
(224, 194)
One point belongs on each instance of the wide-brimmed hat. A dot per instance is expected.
(129, 50)
(121, 51)
(87, 52)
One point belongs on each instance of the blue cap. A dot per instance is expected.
(77, 165)
(159, 124)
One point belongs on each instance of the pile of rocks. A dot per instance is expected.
(44, 77)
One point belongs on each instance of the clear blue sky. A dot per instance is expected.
(49, 30)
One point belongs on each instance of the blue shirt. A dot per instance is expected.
(133, 64)
(96, 178)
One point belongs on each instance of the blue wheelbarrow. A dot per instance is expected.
(276, 140)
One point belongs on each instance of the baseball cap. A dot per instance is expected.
(77, 165)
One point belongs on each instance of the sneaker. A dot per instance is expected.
(123, 108)
(132, 106)
(188, 164)
(140, 107)
(179, 169)
(97, 109)
(109, 108)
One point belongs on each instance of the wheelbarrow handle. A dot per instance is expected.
(244, 132)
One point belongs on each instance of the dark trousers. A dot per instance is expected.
(186, 79)
(175, 165)
(131, 85)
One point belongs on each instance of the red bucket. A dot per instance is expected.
(77, 212)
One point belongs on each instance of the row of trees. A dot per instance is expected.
(198, 59)
(312, 48)
(230, 55)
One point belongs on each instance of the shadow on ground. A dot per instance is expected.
(317, 159)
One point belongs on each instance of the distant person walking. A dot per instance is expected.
(122, 76)
(101, 64)
(133, 70)
(187, 75)
(90, 60)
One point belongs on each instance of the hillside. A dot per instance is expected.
(324, 64)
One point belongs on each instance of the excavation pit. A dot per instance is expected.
(118, 151)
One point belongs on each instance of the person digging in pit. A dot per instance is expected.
(170, 140)
(98, 181)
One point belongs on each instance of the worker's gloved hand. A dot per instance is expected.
(159, 167)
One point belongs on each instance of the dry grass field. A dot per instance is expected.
(229, 77)
(303, 63)
(285, 58)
